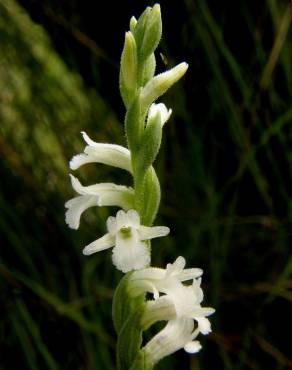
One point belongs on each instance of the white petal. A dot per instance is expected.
(122, 219)
(118, 198)
(176, 267)
(138, 287)
(105, 242)
(133, 218)
(109, 194)
(76, 207)
(150, 273)
(87, 139)
(190, 274)
(174, 336)
(79, 160)
(147, 232)
(111, 224)
(204, 325)
(110, 154)
(193, 347)
(198, 290)
(76, 185)
(179, 264)
(161, 108)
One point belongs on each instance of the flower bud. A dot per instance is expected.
(128, 72)
(161, 83)
(153, 31)
(133, 22)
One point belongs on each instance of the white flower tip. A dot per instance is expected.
(180, 263)
(164, 230)
(87, 251)
(73, 163)
(183, 66)
(87, 139)
(204, 325)
(160, 109)
(74, 182)
(70, 219)
(193, 347)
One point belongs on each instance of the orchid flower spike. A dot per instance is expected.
(128, 238)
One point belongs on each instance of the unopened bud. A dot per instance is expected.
(152, 33)
(133, 22)
(161, 83)
(128, 72)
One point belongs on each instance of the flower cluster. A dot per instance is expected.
(125, 233)
(130, 231)
(178, 303)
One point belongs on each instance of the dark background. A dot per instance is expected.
(224, 167)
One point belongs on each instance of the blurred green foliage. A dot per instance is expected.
(225, 170)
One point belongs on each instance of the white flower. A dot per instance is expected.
(128, 238)
(187, 303)
(155, 280)
(103, 194)
(161, 110)
(177, 334)
(110, 154)
(175, 302)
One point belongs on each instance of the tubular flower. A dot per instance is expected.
(128, 238)
(110, 154)
(157, 280)
(175, 302)
(103, 194)
(177, 334)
